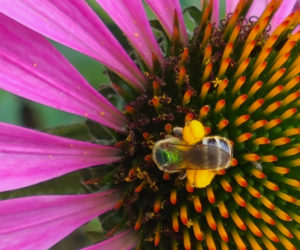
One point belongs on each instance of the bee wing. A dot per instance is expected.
(199, 157)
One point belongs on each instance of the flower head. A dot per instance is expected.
(205, 150)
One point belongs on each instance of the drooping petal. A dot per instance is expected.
(74, 24)
(39, 222)
(283, 11)
(125, 241)
(28, 157)
(216, 12)
(165, 10)
(131, 18)
(32, 68)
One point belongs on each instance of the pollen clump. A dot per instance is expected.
(193, 132)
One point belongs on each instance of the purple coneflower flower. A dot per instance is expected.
(235, 78)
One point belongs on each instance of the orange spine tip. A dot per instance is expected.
(240, 180)
(227, 51)
(281, 170)
(139, 188)
(157, 205)
(226, 185)
(261, 141)
(292, 131)
(262, 56)
(291, 84)
(207, 34)
(286, 197)
(290, 98)
(291, 152)
(189, 187)
(197, 204)
(253, 211)
(272, 107)
(287, 114)
(119, 204)
(205, 88)
(287, 244)
(244, 137)
(238, 84)
(275, 91)
(268, 244)
(175, 223)
(292, 182)
(270, 185)
(253, 228)
(187, 97)
(258, 124)
(258, 70)
(258, 174)
(197, 231)
(284, 230)
(295, 163)
(207, 71)
(221, 172)
(146, 136)
(186, 240)
(238, 221)
(281, 141)
(234, 162)
(295, 217)
(241, 119)
(210, 242)
(219, 105)
(241, 68)
(222, 124)
(239, 101)
(210, 220)
(251, 157)
(168, 128)
(181, 76)
(267, 203)
(287, 47)
(222, 86)
(247, 50)
(223, 210)
(155, 86)
(273, 123)
(255, 87)
(254, 192)
(294, 72)
(184, 56)
(234, 34)
(183, 215)
(278, 63)
(239, 200)
(269, 233)
(255, 105)
(207, 53)
(173, 197)
(278, 74)
(222, 232)
(253, 242)
(238, 241)
(210, 195)
(189, 117)
(223, 67)
(280, 28)
(138, 222)
(203, 112)
(269, 158)
(166, 176)
(157, 235)
(148, 158)
(252, 34)
(267, 218)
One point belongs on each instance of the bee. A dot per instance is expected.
(173, 155)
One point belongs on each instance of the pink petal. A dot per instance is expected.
(283, 11)
(123, 241)
(216, 12)
(41, 221)
(32, 68)
(257, 8)
(230, 5)
(131, 18)
(165, 10)
(28, 157)
(74, 24)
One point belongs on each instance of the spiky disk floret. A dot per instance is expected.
(242, 83)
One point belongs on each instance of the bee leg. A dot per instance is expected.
(182, 175)
(257, 165)
(177, 131)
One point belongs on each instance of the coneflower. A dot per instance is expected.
(236, 78)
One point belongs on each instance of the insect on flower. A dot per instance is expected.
(176, 154)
